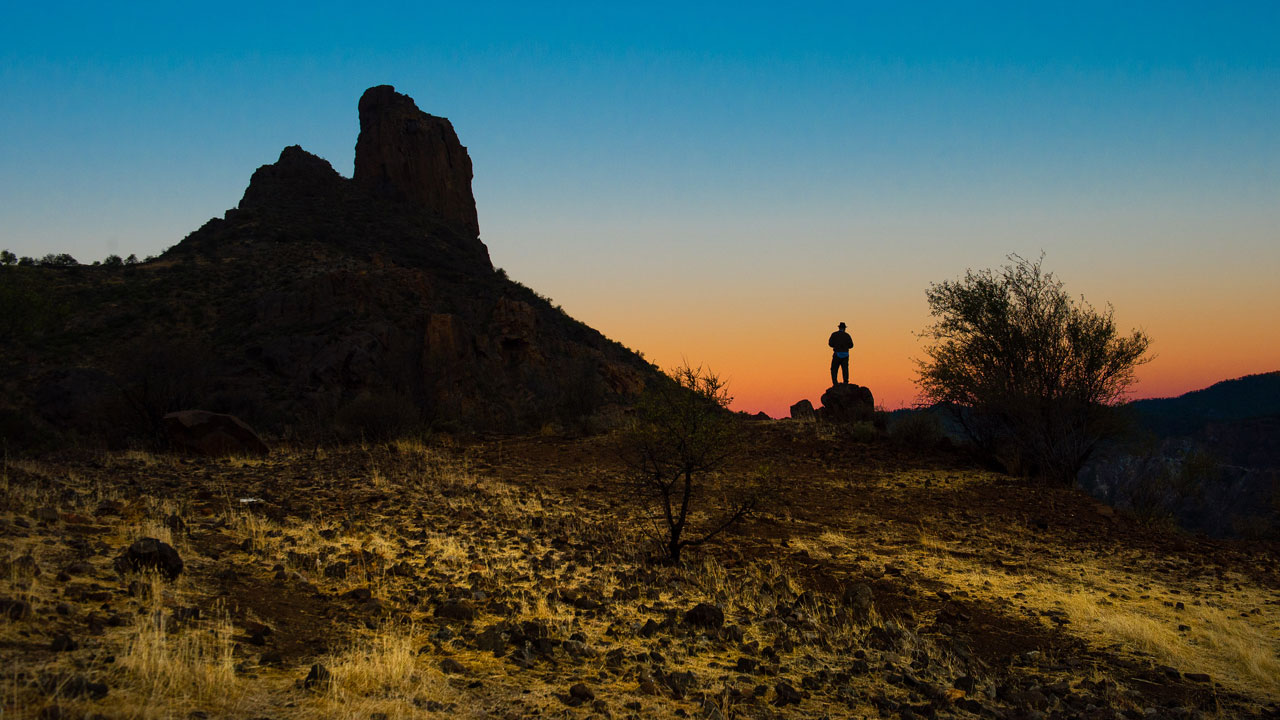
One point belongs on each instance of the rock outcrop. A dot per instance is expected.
(802, 410)
(321, 305)
(847, 403)
(213, 434)
(405, 154)
(298, 179)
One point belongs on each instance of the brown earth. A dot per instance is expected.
(492, 577)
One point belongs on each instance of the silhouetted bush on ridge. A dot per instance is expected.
(1031, 374)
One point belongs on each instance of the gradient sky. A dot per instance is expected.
(717, 183)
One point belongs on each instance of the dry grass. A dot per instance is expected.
(1234, 636)
(479, 531)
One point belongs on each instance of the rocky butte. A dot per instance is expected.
(319, 302)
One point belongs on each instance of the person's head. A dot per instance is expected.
(842, 326)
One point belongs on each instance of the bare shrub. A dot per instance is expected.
(683, 438)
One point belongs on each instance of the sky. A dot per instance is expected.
(713, 183)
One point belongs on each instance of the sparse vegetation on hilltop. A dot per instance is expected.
(1032, 374)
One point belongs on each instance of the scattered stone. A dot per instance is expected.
(362, 594)
(150, 554)
(803, 410)
(63, 642)
(491, 640)
(859, 599)
(581, 693)
(14, 609)
(450, 666)
(318, 679)
(337, 571)
(705, 615)
(1197, 677)
(456, 610)
(45, 514)
(786, 695)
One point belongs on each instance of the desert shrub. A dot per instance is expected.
(921, 430)
(683, 437)
(861, 432)
(58, 260)
(1032, 375)
(377, 415)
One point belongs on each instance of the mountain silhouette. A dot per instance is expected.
(1245, 398)
(319, 299)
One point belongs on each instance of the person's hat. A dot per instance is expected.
(842, 326)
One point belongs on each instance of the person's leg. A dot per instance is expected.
(835, 363)
(844, 367)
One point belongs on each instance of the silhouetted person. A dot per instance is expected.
(840, 344)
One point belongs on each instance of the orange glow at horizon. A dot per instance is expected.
(771, 364)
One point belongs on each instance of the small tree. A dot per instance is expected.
(1030, 374)
(8, 258)
(58, 260)
(683, 436)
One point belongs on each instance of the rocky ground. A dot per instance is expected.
(510, 577)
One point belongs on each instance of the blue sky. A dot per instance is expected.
(764, 166)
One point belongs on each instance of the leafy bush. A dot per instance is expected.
(1031, 374)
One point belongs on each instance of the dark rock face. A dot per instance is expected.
(324, 306)
(405, 154)
(150, 554)
(298, 178)
(213, 434)
(848, 404)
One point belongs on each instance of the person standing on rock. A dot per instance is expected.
(840, 344)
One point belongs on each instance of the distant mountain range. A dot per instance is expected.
(1251, 397)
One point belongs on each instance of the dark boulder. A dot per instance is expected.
(859, 600)
(318, 678)
(150, 554)
(848, 404)
(209, 433)
(705, 615)
(802, 410)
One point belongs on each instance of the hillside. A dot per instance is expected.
(1245, 398)
(320, 302)
(510, 578)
